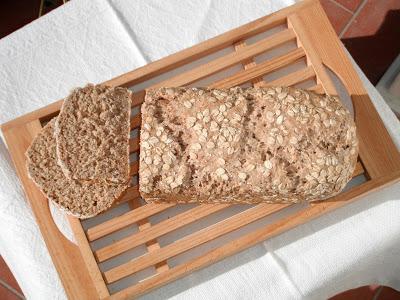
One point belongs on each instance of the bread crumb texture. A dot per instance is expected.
(92, 132)
(244, 145)
(81, 199)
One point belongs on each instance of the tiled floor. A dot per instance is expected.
(9, 288)
(372, 292)
(370, 30)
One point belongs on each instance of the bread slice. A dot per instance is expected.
(92, 133)
(244, 145)
(81, 199)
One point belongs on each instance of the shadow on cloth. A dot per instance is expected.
(286, 239)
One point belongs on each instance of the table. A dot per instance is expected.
(92, 41)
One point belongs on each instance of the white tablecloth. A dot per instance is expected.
(92, 41)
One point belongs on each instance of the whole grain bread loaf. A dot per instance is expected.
(244, 145)
(81, 199)
(92, 133)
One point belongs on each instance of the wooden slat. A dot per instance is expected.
(133, 192)
(249, 63)
(229, 60)
(133, 145)
(158, 230)
(33, 116)
(256, 237)
(130, 194)
(358, 170)
(126, 219)
(313, 58)
(260, 69)
(319, 89)
(88, 257)
(134, 168)
(151, 244)
(136, 121)
(192, 240)
(137, 98)
(377, 151)
(178, 59)
(65, 255)
(377, 159)
(205, 48)
(293, 78)
(134, 240)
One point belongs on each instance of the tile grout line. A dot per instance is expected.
(11, 289)
(377, 293)
(341, 6)
(356, 13)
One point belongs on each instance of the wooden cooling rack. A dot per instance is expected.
(86, 270)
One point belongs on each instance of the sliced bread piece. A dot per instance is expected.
(92, 134)
(244, 145)
(81, 199)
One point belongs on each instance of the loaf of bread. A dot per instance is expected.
(92, 134)
(244, 145)
(81, 199)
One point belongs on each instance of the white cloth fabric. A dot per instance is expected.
(92, 41)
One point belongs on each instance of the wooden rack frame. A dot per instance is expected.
(307, 25)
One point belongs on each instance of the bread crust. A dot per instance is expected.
(244, 145)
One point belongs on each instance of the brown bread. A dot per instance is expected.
(81, 199)
(244, 145)
(92, 133)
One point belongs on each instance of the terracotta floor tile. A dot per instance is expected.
(6, 294)
(7, 276)
(373, 37)
(337, 15)
(388, 293)
(364, 293)
(372, 16)
(349, 4)
(15, 14)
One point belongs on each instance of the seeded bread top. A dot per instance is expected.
(235, 145)
(79, 199)
(92, 132)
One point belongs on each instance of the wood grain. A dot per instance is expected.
(126, 219)
(313, 58)
(257, 236)
(66, 256)
(130, 194)
(316, 40)
(293, 78)
(311, 24)
(259, 70)
(88, 257)
(134, 168)
(158, 230)
(195, 239)
(207, 47)
(358, 170)
(136, 121)
(229, 60)
(247, 64)
(151, 244)
(319, 89)
(178, 59)
(134, 145)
